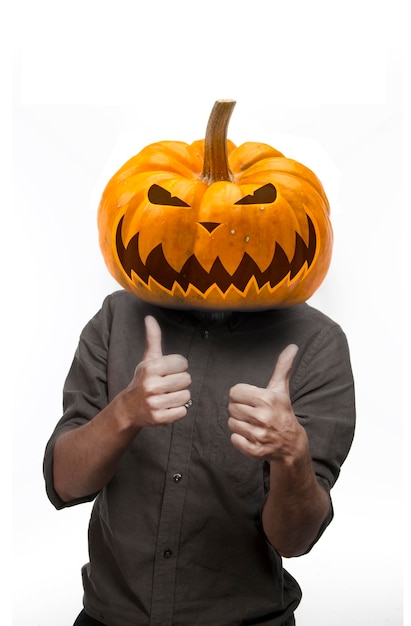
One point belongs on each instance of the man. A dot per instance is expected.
(208, 408)
(210, 443)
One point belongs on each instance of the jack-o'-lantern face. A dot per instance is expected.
(215, 226)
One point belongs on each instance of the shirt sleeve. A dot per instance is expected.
(323, 399)
(84, 393)
(322, 394)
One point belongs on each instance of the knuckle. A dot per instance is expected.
(179, 361)
(184, 362)
(149, 390)
(259, 450)
(187, 380)
(153, 404)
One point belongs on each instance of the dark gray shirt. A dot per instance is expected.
(175, 538)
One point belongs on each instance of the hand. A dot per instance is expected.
(159, 391)
(262, 420)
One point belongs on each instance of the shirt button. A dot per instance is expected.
(177, 477)
(167, 553)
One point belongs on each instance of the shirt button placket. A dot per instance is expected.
(172, 506)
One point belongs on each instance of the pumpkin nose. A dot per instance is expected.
(210, 226)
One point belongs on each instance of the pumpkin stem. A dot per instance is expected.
(215, 147)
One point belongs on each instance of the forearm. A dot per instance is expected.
(86, 457)
(296, 506)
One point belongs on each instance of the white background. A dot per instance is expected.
(320, 81)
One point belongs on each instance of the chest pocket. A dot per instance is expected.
(247, 474)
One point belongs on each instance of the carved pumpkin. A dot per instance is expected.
(215, 226)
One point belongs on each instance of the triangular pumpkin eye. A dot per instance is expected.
(159, 195)
(263, 195)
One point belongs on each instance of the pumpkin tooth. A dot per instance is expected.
(194, 274)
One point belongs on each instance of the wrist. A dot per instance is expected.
(122, 416)
(294, 451)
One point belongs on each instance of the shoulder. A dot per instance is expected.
(299, 323)
(121, 299)
(307, 314)
(318, 329)
(122, 304)
(120, 311)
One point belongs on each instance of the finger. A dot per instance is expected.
(171, 400)
(250, 449)
(169, 379)
(249, 430)
(169, 416)
(281, 374)
(244, 394)
(153, 338)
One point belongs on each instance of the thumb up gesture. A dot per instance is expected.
(262, 421)
(159, 391)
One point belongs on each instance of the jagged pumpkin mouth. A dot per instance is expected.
(193, 274)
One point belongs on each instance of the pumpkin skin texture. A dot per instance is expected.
(214, 226)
